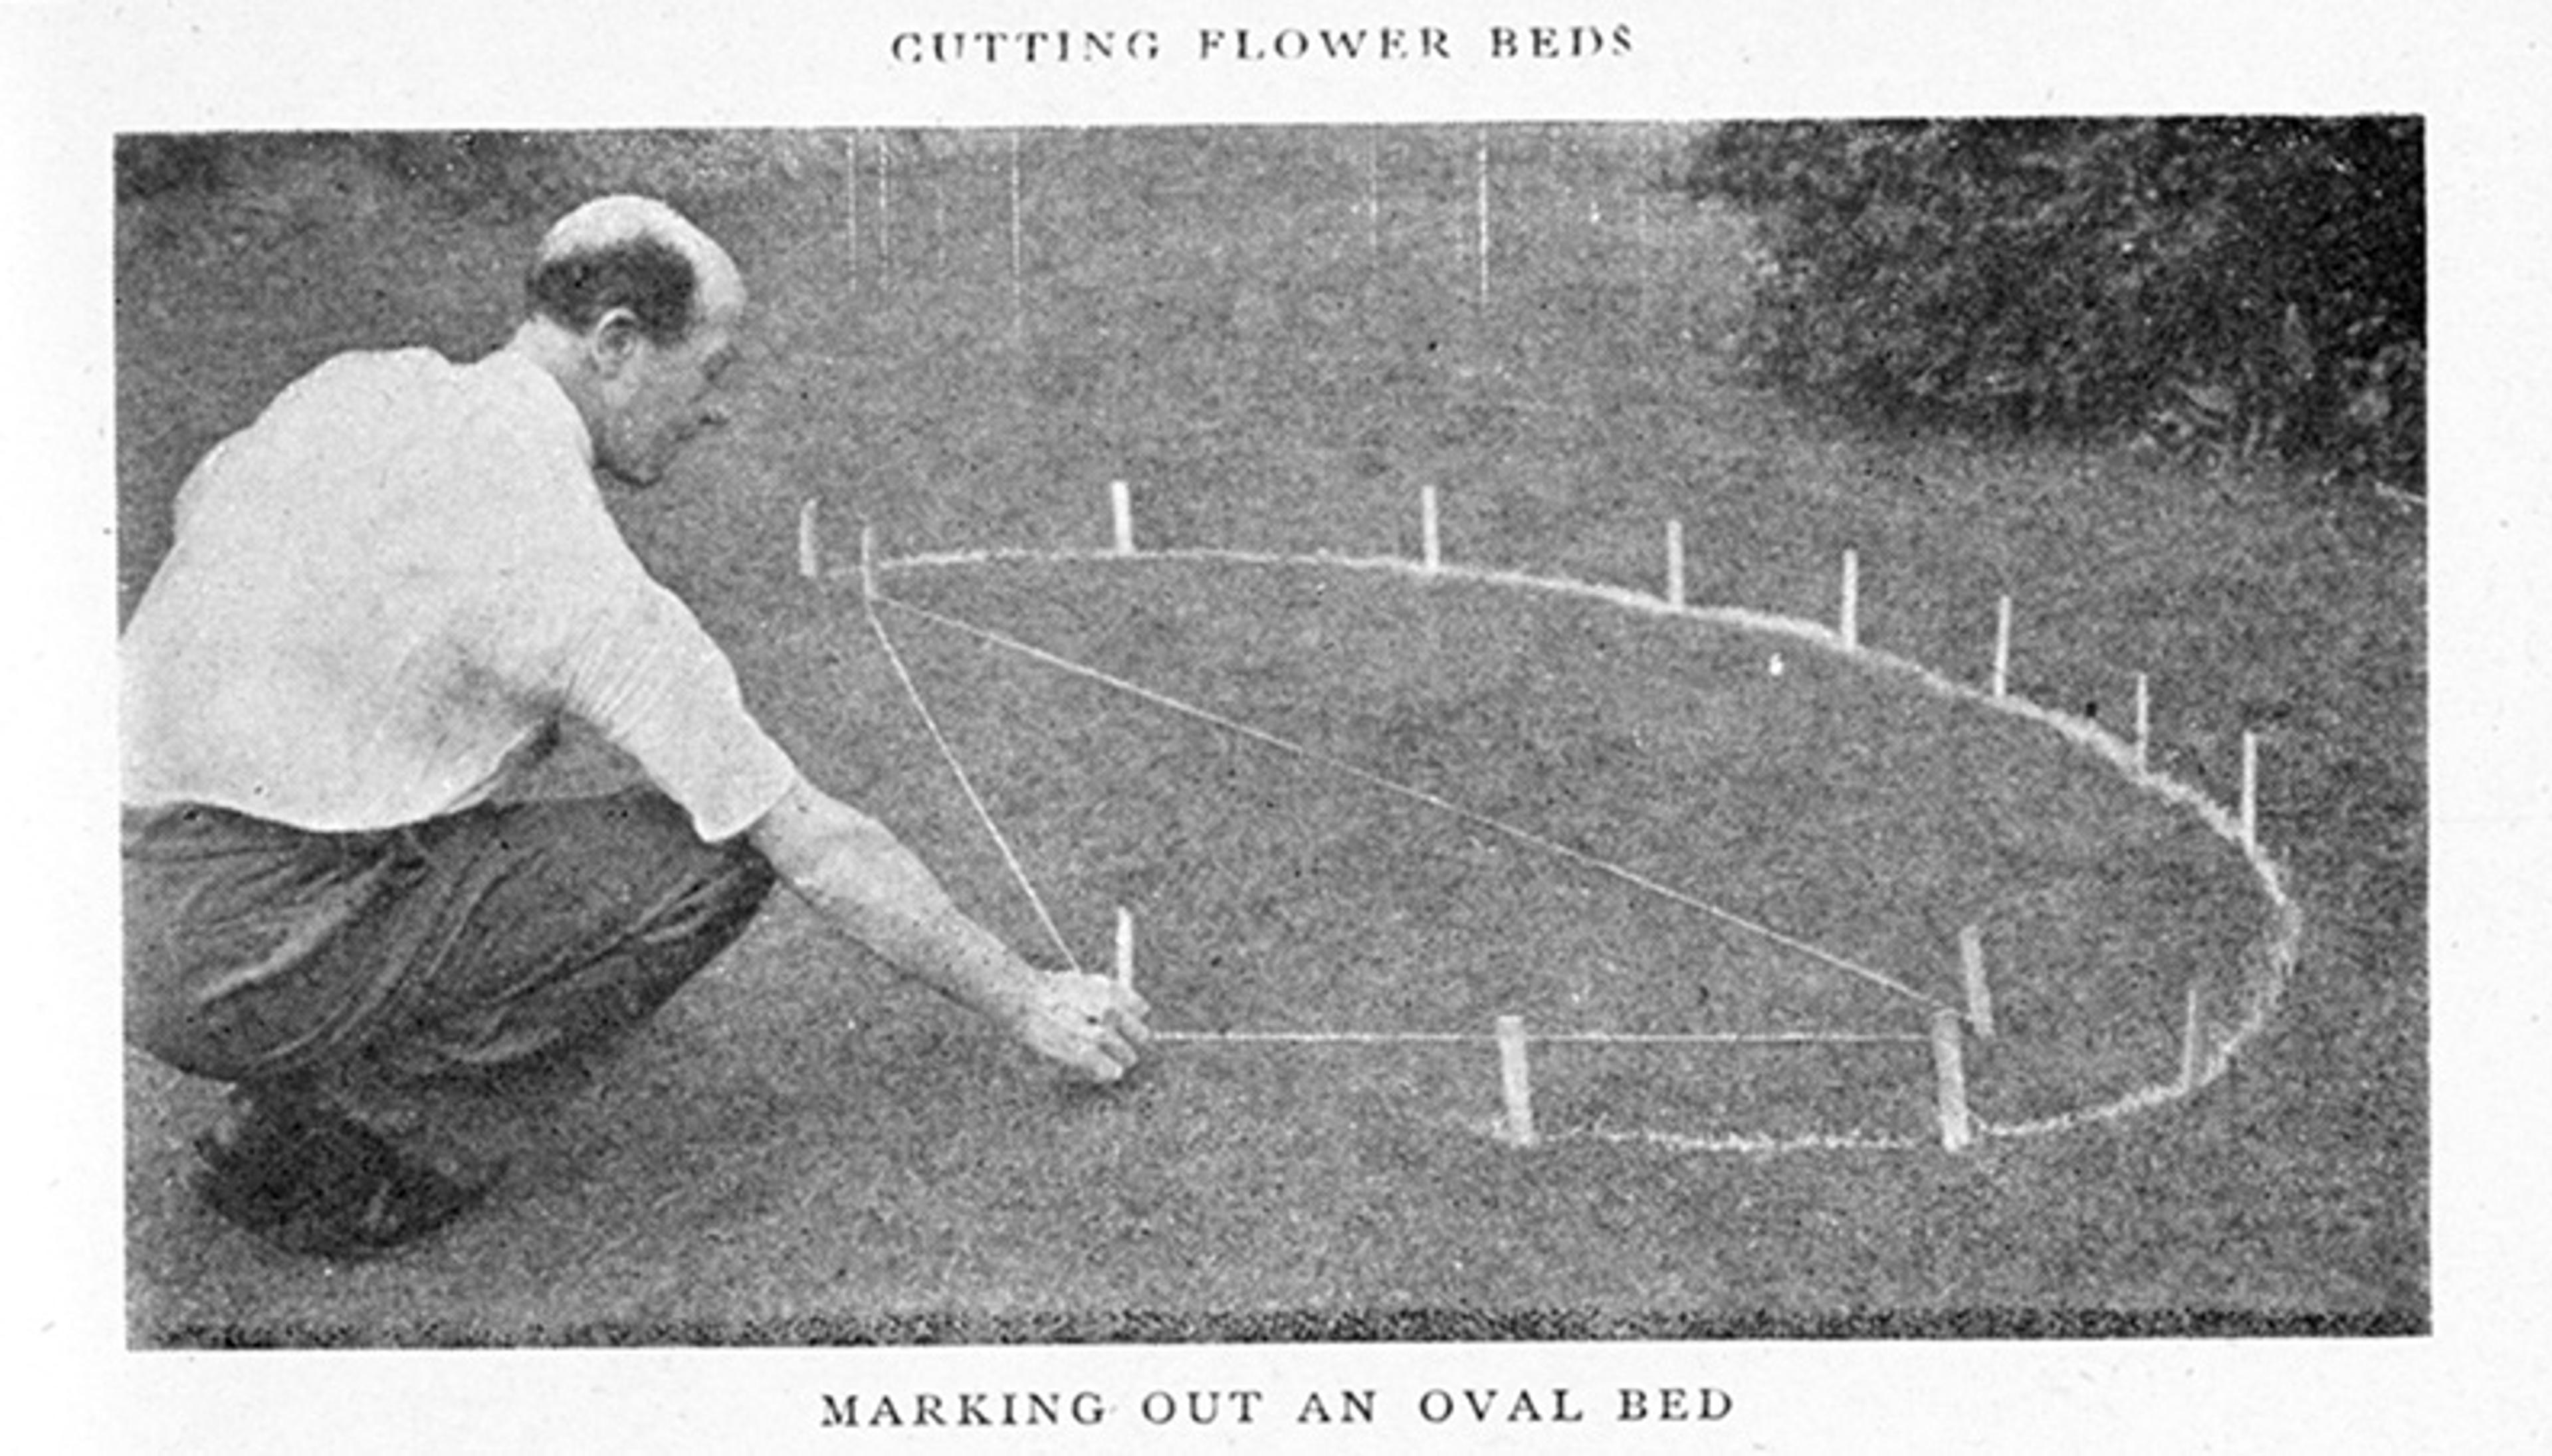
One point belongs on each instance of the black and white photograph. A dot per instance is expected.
(1585, 729)
(1279, 774)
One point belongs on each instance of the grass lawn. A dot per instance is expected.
(803, 1149)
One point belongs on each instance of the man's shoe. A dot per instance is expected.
(309, 1180)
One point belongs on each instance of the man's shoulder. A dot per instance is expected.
(383, 433)
(370, 372)
(352, 395)
(418, 376)
(498, 412)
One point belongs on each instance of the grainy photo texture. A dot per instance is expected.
(1292, 733)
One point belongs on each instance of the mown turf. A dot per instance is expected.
(801, 1149)
(1837, 805)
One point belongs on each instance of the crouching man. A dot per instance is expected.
(383, 597)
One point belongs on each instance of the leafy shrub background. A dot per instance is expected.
(2224, 285)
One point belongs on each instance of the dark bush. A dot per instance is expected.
(2219, 285)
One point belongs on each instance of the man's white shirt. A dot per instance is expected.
(386, 593)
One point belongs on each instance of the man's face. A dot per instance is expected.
(656, 397)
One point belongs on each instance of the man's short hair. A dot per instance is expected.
(625, 252)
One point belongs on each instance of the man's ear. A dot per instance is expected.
(613, 341)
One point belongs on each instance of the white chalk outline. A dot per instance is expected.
(2277, 952)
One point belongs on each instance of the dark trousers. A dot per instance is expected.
(438, 980)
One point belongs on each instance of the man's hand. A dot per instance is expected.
(1089, 1023)
(863, 878)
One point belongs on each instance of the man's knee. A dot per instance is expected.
(720, 886)
(736, 890)
(634, 853)
(660, 903)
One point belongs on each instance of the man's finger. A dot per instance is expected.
(1119, 1047)
(1129, 1025)
(1100, 1064)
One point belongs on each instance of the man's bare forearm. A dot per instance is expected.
(861, 877)
(867, 882)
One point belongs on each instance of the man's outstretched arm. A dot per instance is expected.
(870, 886)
